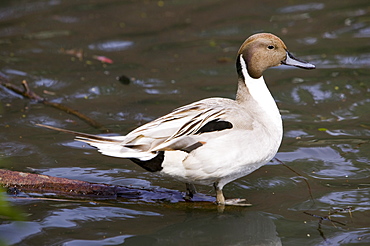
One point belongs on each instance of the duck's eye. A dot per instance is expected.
(270, 47)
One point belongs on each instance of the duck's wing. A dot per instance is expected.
(180, 129)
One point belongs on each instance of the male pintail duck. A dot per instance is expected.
(216, 140)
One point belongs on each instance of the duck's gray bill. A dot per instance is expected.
(292, 61)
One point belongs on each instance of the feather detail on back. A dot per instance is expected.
(179, 129)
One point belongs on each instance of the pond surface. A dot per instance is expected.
(173, 53)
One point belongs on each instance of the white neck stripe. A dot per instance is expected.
(244, 67)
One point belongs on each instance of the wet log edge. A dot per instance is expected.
(17, 182)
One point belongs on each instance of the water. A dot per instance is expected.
(176, 52)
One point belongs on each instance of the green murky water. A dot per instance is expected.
(176, 52)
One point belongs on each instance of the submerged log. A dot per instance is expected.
(17, 182)
(29, 182)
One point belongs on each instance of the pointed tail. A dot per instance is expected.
(84, 137)
(107, 145)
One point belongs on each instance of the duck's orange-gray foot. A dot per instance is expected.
(221, 201)
(237, 202)
(190, 191)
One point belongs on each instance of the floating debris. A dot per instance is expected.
(124, 79)
(103, 59)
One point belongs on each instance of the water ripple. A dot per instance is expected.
(358, 198)
(156, 86)
(301, 7)
(326, 162)
(114, 45)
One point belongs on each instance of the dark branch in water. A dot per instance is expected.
(27, 93)
(321, 218)
(327, 218)
(304, 179)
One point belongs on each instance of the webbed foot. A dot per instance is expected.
(237, 202)
(190, 191)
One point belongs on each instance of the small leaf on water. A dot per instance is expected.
(75, 52)
(365, 126)
(224, 59)
(212, 43)
(103, 59)
(322, 129)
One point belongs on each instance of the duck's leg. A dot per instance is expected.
(190, 191)
(220, 199)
